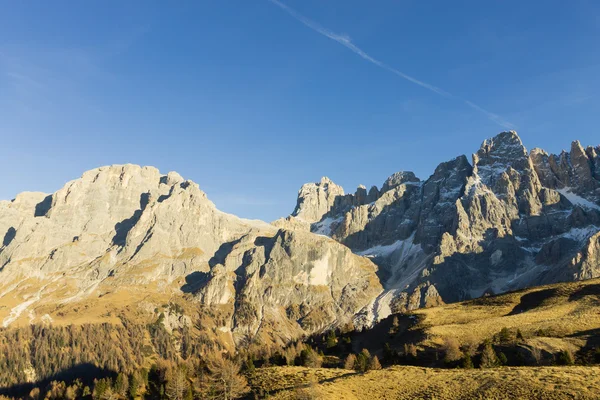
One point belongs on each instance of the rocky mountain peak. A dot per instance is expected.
(509, 220)
(398, 179)
(130, 236)
(316, 199)
(506, 143)
(496, 155)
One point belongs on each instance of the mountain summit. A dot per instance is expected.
(126, 239)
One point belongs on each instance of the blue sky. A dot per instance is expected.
(250, 99)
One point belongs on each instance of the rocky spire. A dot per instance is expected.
(497, 154)
(316, 199)
(398, 179)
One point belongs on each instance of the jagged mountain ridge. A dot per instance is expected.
(507, 220)
(129, 237)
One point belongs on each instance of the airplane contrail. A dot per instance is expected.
(346, 42)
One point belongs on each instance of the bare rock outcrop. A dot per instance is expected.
(122, 234)
(508, 220)
(316, 199)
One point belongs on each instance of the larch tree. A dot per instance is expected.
(225, 380)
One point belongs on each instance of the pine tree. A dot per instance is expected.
(121, 384)
(388, 353)
(249, 366)
(467, 362)
(502, 358)
(489, 359)
(350, 361)
(362, 361)
(177, 384)
(331, 340)
(505, 336)
(310, 358)
(565, 357)
(374, 364)
(225, 381)
(134, 385)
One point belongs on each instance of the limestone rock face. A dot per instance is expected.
(291, 283)
(316, 199)
(125, 234)
(127, 237)
(586, 263)
(508, 220)
(398, 179)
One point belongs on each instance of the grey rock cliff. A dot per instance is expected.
(129, 237)
(510, 219)
(132, 230)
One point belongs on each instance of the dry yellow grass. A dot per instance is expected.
(429, 383)
(563, 309)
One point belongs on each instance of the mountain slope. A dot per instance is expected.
(510, 219)
(130, 237)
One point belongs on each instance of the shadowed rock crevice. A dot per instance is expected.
(195, 281)
(42, 208)
(122, 228)
(222, 253)
(9, 236)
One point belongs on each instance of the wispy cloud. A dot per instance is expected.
(494, 117)
(345, 41)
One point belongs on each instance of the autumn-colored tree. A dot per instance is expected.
(350, 361)
(374, 364)
(34, 394)
(410, 350)
(451, 350)
(331, 339)
(310, 358)
(224, 380)
(489, 359)
(467, 362)
(362, 361)
(177, 383)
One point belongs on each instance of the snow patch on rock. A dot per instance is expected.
(578, 200)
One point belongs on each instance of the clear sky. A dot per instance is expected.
(252, 98)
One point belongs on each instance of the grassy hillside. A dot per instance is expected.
(431, 383)
(552, 318)
(568, 310)
(536, 335)
(538, 343)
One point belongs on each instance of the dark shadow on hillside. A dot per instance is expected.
(589, 353)
(376, 337)
(194, 281)
(251, 396)
(533, 300)
(588, 290)
(122, 228)
(85, 372)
